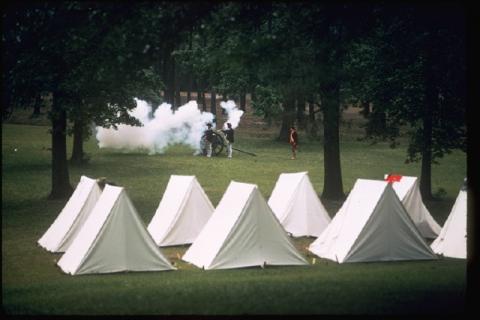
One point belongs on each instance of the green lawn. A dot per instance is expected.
(33, 284)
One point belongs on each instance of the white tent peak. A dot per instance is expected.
(408, 191)
(242, 232)
(66, 226)
(297, 206)
(113, 239)
(452, 240)
(371, 225)
(182, 212)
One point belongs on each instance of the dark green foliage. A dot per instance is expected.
(414, 52)
(407, 61)
(266, 103)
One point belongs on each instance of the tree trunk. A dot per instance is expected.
(213, 103)
(189, 76)
(7, 106)
(311, 112)
(178, 98)
(243, 101)
(37, 105)
(199, 93)
(61, 187)
(301, 112)
(204, 101)
(312, 123)
(169, 75)
(332, 186)
(288, 118)
(365, 109)
(196, 88)
(199, 97)
(473, 207)
(377, 122)
(252, 95)
(426, 173)
(77, 151)
(224, 98)
(172, 84)
(431, 99)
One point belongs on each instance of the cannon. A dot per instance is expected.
(219, 144)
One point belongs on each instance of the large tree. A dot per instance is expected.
(295, 51)
(80, 53)
(332, 28)
(412, 70)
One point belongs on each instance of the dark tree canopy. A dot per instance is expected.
(404, 63)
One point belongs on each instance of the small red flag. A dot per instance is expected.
(393, 178)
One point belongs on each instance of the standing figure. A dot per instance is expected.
(209, 139)
(293, 140)
(229, 133)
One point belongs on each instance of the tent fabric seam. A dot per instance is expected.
(232, 230)
(77, 217)
(290, 202)
(366, 224)
(177, 214)
(94, 242)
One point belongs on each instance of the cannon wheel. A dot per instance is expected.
(217, 145)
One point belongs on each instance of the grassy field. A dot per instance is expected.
(33, 284)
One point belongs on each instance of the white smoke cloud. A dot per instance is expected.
(234, 114)
(184, 126)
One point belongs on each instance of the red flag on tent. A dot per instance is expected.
(393, 178)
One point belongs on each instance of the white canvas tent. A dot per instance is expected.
(243, 231)
(182, 212)
(65, 228)
(297, 206)
(371, 225)
(408, 191)
(452, 240)
(113, 239)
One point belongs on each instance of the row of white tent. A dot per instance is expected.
(101, 232)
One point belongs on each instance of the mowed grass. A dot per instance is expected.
(33, 284)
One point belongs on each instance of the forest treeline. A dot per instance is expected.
(301, 62)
